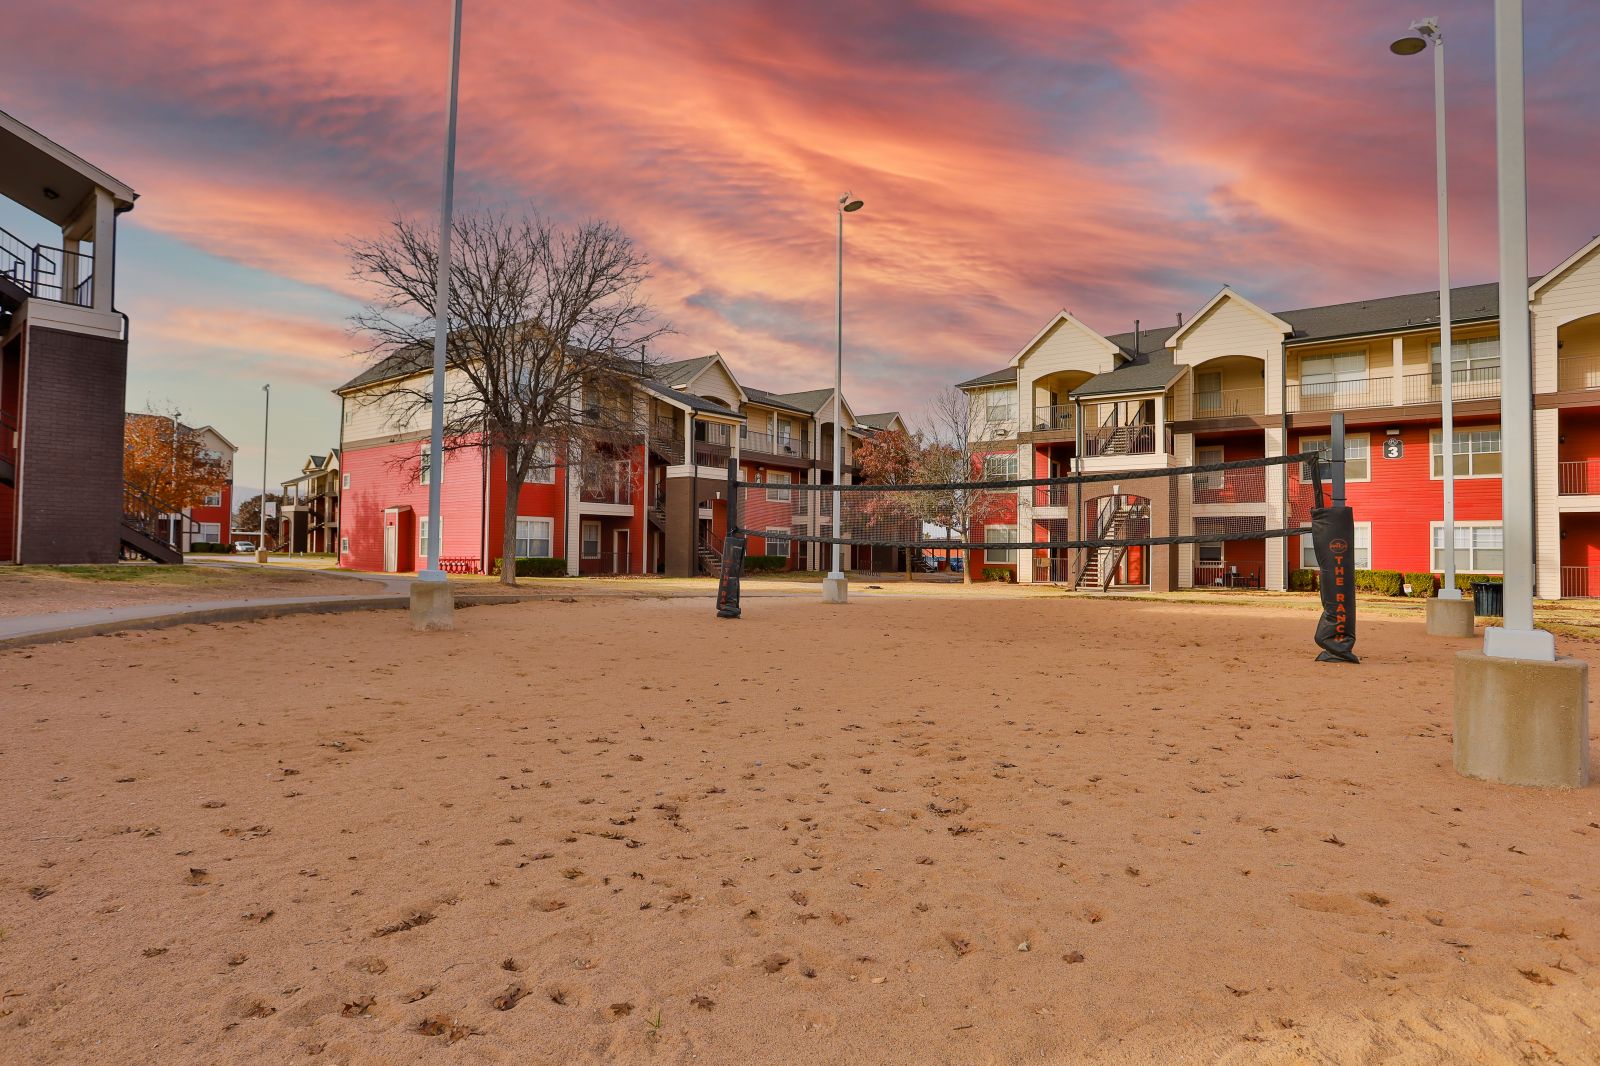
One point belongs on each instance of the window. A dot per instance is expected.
(210, 533)
(346, 481)
(533, 537)
(1308, 555)
(1476, 453)
(1210, 554)
(590, 547)
(776, 477)
(422, 537)
(1205, 457)
(1321, 375)
(1000, 466)
(1480, 549)
(424, 465)
(786, 435)
(1000, 556)
(1208, 392)
(1356, 465)
(1000, 405)
(542, 471)
(778, 542)
(1474, 360)
(344, 545)
(213, 499)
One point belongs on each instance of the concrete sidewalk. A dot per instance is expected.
(70, 625)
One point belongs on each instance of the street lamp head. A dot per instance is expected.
(1408, 46)
(848, 204)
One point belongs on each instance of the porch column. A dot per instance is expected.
(105, 249)
(1183, 445)
(1027, 467)
(574, 523)
(1273, 441)
(1546, 501)
(1399, 372)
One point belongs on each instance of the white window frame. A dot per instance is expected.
(1010, 472)
(344, 482)
(1212, 482)
(776, 537)
(425, 465)
(1470, 434)
(1000, 556)
(779, 477)
(1472, 548)
(1357, 446)
(1336, 374)
(1308, 557)
(532, 537)
(209, 533)
(583, 539)
(542, 471)
(212, 499)
(1478, 353)
(1004, 411)
(422, 538)
(344, 545)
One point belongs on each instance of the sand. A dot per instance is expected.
(919, 830)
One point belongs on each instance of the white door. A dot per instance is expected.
(391, 549)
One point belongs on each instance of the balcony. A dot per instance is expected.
(1580, 477)
(1339, 395)
(1055, 418)
(1577, 372)
(1466, 383)
(667, 444)
(1229, 403)
(1139, 439)
(797, 449)
(47, 273)
(1231, 486)
(607, 482)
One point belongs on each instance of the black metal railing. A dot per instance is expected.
(770, 444)
(48, 273)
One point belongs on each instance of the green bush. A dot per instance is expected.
(1304, 580)
(1422, 585)
(998, 573)
(1464, 581)
(1382, 582)
(765, 564)
(201, 548)
(536, 567)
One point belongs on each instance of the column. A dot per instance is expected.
(1276, 577)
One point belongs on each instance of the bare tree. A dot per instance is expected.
(958, 439)
(547, 333)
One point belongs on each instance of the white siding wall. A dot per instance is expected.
(1276, 577)
(1231, 328)
(380, 412)
(1573, 295)
(1546, 508)
(1067, 346)
(713, 383)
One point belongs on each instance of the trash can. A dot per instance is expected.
(1488, 599)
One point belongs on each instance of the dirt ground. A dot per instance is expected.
(915, 830)
(30, 590)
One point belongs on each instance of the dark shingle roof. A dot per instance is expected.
(770, 399)
(810, 401)
(403, 363)
(688, 399)
(882, 420)
(683, 370)
(993, 377)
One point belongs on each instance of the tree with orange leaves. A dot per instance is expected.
(166, 462)
(892, 457)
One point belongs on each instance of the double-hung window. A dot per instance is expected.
(1000, 406)
(778, 486)
(1363, 552)
(425, 464)
(1357, 466)
(533, 538)
(1000, 466)
(542, 470)
(213, 499)
(1000, 556)
(422, 537)
(1470, 361)
(1213, 481)
(1334, 380)
(589, 545)
(1476, 453)
(1480, 549)
(778, 542)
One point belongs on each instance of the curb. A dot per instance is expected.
(216, 615)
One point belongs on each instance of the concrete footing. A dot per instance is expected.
(261, 556)
(432, 606)
(1449, 618)
(835, 590)
(1522, 721)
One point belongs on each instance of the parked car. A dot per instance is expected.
(243, 547)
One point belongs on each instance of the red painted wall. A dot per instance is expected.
(1401, 500)
(379, 480)
(533, 501)
(1003, 514)
(222, 515)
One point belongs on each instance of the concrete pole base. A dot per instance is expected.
(432, 606)
(1449, 618)
(261, 556)
(1522, 721)
(835, 589)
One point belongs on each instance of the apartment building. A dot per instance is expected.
(1236, 381)
(208, 522)
(308, 517)
(63, 358)
(653, 506)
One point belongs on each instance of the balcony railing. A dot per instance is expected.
(1227, 403)
(1579, 477)
(48, 273)
(607, 483)
(1226, 576)
(1053, 571)
(1121, 440)
(1575, 372)
(668, 445)
(770, 444)
(1580, 582)
(1055, 418)
(709, 454)
(1052, 495)
(1231, 486)
(1340, 395)
(1467, 383)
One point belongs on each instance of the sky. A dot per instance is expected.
(1016, 158)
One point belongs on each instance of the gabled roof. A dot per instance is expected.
(1147, 365)
(1064, 317)
(770, 399)
(687, 400)
(1226, 293)
(1006, 375)
(402, 363)
(1567, 264)
(683, 371)
(881, 420)
(35, 163)
(810, 401)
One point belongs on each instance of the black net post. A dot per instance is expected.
(732, 551)
(1333, 536)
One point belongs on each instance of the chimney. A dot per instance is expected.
(1180, 319)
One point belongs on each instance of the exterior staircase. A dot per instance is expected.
(710, 560)
(142, 531)
(1100, 566)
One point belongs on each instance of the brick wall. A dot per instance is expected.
(71, 476)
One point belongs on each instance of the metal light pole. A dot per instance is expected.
(1516, 639)
(1428, 30)
(173, 525)
(266, 426)
(835, 587)
(441, 312)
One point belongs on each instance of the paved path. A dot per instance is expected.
(67, 625)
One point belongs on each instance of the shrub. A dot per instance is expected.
(206, 548)
(765, 564)
(1464, 581)
(997, 573)
(536, 567)
(1304, 579)
(1383, 582)
(1422, 585)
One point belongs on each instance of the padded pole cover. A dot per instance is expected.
(1333, 535)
